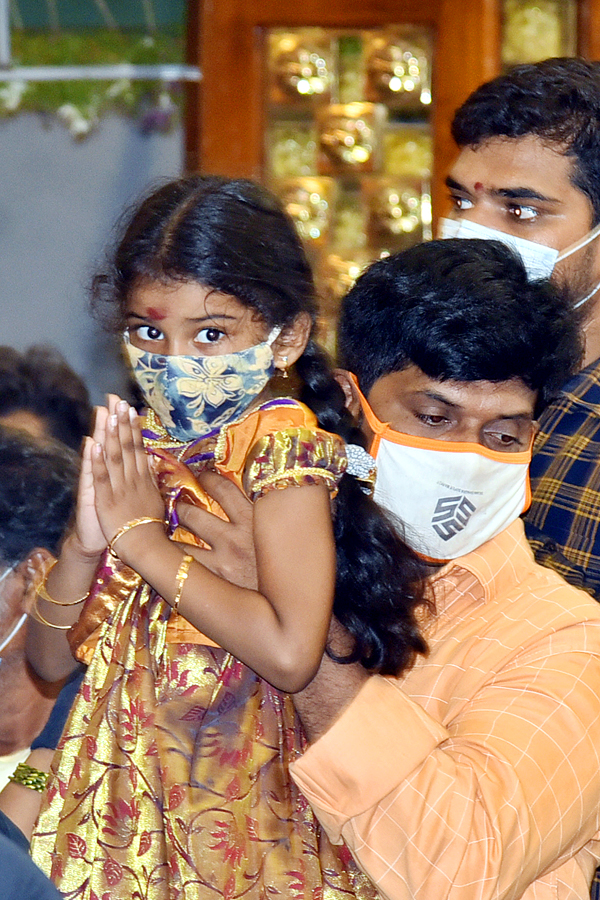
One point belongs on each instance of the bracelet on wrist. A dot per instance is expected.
(30, 777)
(134, 523)
(182, 573)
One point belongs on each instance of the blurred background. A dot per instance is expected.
(340, 106)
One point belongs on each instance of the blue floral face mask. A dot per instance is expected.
(193, 395)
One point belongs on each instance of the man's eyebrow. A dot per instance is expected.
(454, 185)
(517, 193)
(441, 398)
(522, 193)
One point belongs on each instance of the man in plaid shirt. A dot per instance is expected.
(529, 171)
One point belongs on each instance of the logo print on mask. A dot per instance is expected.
(451, 515)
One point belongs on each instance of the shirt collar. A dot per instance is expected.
(498, 564)
(584, 381)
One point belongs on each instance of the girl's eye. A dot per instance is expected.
(149, 333)
(209, 335)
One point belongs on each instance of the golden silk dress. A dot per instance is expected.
(171, 778)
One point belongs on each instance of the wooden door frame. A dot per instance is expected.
(588, 28)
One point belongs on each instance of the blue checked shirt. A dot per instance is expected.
(563, 522)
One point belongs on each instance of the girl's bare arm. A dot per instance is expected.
(48, 650)
(279, 630)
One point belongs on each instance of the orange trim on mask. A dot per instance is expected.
(421, 443)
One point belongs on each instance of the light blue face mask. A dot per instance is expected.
(194, 395)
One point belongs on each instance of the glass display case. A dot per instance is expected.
(533, 30)
(345, 108)
(348, 144)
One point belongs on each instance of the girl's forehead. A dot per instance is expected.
(186, 299)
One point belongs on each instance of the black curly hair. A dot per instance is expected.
(40, 381)
(38, 485)
(557, 100)
(460, 309)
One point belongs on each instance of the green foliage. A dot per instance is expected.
(81, 104)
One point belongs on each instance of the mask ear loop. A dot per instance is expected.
(14, 632)
(580, 244)
(271, 338)
(589, 296)
(21, 621)
(377, 427)
(273, 334)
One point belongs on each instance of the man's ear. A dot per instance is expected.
(290, 344)
(342, 376)
(38, 559)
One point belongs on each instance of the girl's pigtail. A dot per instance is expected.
(321, 393)
(379, 584)
(380, 581)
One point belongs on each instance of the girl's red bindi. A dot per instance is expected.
(153, 313)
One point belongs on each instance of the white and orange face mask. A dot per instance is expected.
(451, 496)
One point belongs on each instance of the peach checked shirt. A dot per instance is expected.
(477, 774)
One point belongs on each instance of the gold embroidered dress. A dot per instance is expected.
(171, 779)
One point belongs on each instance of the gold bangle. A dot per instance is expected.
(30, 777)
(182, 573)
(143, 520)
(37, 615)
(43, 593)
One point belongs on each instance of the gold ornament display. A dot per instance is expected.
(348, 146)
(310, 203)
(398, 212)
(398, 69)
(538, 29)
(300, 66)
(349, 137)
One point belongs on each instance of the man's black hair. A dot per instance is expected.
(557, 100)
(38, 484)
(461, 310)
(40, 381)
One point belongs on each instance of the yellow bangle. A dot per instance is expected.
(30, 777)
(182, 573)
(43, 593)
(37, 615)
(143, 520)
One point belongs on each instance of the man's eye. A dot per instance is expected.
(523, 213)
(505, 441)
(149, 333)
(209, 335)
(430, 419)
(461, 203)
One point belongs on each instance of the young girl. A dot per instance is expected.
(172, 776)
